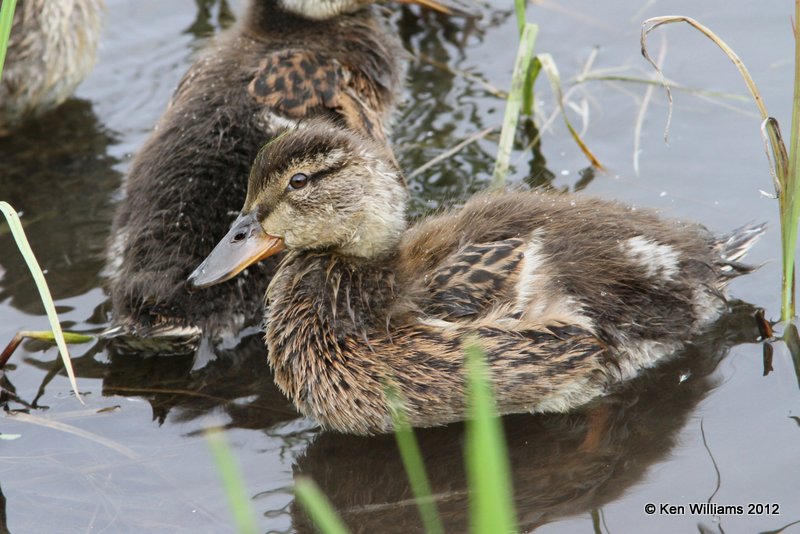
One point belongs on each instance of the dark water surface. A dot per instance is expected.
(707, 426)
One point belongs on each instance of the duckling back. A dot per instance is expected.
(190, 179)
(641, 284)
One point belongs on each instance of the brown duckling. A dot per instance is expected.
(566, 294)
(286, 61)
(51, 49)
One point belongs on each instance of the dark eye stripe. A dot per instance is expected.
(300, 180)
(323, 173)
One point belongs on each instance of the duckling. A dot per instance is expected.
(287, 60)
(51, 49)
(567, 295)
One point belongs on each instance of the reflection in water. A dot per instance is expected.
(562, 464)
(3, 519)
(436, 107)
(203, 25)
(237, 382)
(441, 99)
(56, 170)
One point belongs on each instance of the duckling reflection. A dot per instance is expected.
(234, 381)
(67, 211)
(562, 464)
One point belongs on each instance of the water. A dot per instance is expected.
(133, 458)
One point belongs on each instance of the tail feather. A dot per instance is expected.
(732, 247)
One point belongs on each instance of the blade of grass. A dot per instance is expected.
(548, 65)
(488, 471)
(771, 134)
(532, 71)
(44, 292)
(514, 104)
(593, 77)
(318, 507)
(414, 465)
(45, 335)
(232, 481)
(6, 19)
(519, 10)
(792, 190)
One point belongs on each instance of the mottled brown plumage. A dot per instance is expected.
(566, 294)
(286, 61)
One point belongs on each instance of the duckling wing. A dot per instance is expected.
(295, 83)
(474, 280)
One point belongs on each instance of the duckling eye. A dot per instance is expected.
(298, 181)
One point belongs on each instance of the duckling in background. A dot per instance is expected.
(287, 60)
(51, 49)
(566, 294)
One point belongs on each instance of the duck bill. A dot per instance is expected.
(243, 245)
(448, 7)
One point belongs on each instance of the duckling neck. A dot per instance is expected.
(340, 296)
(322, 311)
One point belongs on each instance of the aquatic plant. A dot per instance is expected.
(520, 99)
(232, 481)
(784, 165)
(488, 472)
(44, 293)
(414, 465)
(6, 19)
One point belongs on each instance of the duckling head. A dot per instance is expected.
(316, 187)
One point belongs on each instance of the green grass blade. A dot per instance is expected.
(791, 190)
(514, 104)
(488, 471)
(44, 292)
(519, 10)
(534, 67)
(318, 507)
(6, 18)
(414, 466)
(232, 481)
(71, 338)
(530, 76)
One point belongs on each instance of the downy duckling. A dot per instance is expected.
(287, 60)
(566, 294)
(51, 49)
